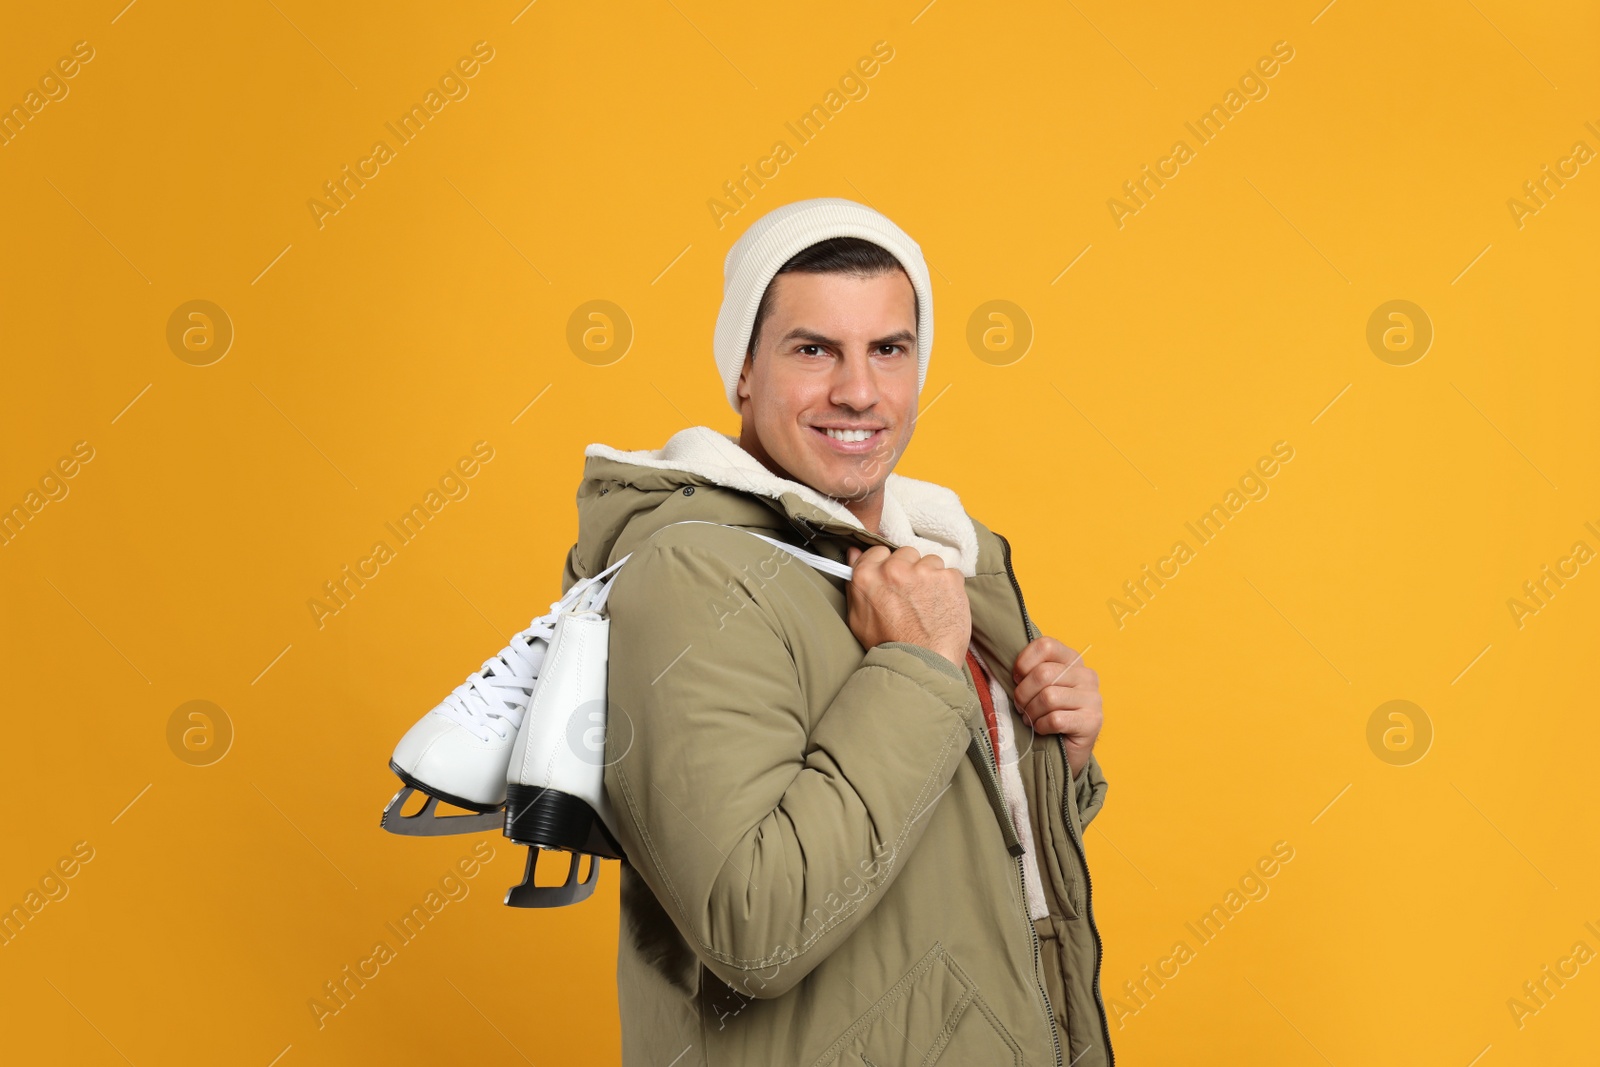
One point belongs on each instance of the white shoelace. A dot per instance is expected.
(490, 703)
(492, 699)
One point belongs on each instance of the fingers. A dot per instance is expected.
(1079, 729)
(907, 558)
(1043, 650)
(1059, 698)
(1079, 725)
(1056, 693)
(902, 563)
(1055, 676)
(865, 565)
(905, 554)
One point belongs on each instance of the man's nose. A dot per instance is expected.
(855, 385)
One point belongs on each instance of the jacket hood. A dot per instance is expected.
(620, 486)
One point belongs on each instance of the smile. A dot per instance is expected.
(849, 442)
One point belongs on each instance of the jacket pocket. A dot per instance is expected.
(934, 1014)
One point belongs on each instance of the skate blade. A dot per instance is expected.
(572, 891)
(426, 824)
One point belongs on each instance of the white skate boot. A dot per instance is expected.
(458, 752)
(555, 779)
(555, 782)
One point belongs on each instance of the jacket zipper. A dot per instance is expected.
(1066, 817)
(1022, 897)
(1049, 1010)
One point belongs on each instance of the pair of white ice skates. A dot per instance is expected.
(521, 743)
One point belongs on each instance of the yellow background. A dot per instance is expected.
(429, 313)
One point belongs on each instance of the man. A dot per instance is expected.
(853, 812)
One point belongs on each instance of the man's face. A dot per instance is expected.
(835, 351)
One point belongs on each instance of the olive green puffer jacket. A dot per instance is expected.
(821, 866)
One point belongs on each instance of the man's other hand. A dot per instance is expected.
(1058, 694)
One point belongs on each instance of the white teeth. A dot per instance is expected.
(849, 435)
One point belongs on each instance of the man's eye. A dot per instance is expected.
(806, 350)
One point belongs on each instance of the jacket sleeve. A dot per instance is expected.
(1091, 790)
(569, 574)
(767, 829)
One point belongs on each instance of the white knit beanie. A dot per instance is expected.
(780, 234)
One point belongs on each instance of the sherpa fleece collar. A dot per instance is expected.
(923, 515)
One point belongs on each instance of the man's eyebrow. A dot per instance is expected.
(800, 333)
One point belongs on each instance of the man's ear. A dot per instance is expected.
(743, 388)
